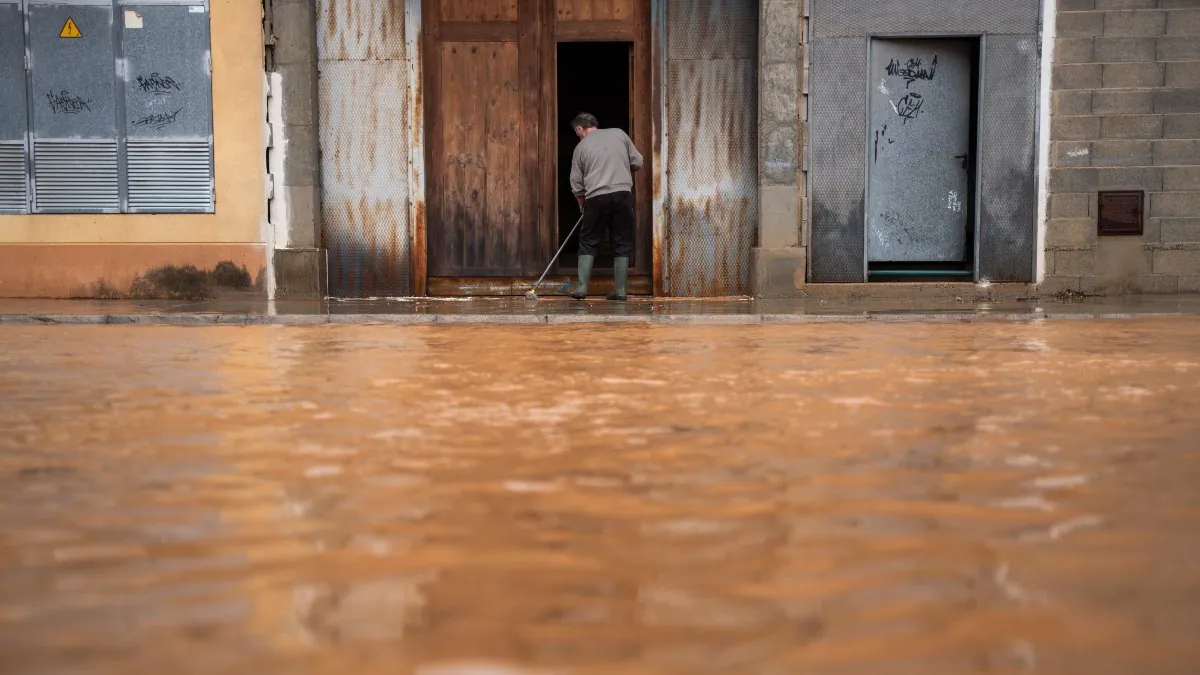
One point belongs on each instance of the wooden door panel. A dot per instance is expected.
(478, 55)
(502, 153)
(594, 10)
(481, 142)
(478, 10)
(462, 158)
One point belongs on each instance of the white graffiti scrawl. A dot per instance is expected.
(952, 202)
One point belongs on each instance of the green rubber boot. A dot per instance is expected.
(620, 277)
(585, 273)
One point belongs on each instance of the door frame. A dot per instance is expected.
(640, 121)
(423, 34)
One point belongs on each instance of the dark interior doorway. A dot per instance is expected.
(593, 77)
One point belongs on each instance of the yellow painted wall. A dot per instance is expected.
(239, 157)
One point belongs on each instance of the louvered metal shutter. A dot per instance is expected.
(14, 112)
(13, 181)
(78, 175)
(168, 107)
(170, 176)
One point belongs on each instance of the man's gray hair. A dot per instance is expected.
(586, 121)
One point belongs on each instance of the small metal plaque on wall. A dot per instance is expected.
(1121, 213)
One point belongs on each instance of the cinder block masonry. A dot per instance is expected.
(1126, 116)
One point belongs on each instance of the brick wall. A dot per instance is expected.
(1125, 115)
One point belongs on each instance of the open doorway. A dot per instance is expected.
(593, 77)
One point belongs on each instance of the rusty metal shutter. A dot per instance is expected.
(365, 113)
(14, 112)
(168, 107)
(712, 153)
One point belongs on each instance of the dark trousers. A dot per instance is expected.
(613, 213)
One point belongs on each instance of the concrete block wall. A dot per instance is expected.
(294, 150)
(779, 261)
(1125, 113)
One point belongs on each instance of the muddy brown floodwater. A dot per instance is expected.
(926, 498)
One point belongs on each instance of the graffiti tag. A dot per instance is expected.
(882, 137)
(157, 84)
(912, 70)
(68, 104)
(157, 120)
(909, 107)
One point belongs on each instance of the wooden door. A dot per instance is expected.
(482, 85)
(490, 111)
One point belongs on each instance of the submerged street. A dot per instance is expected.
(974, 497)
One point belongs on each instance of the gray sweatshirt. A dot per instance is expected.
(602, 163)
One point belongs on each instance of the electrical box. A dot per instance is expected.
(74, 107)
(112, 109)
(168, 107)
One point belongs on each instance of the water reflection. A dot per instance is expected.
(833, 498)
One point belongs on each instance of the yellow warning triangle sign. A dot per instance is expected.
(70, 30)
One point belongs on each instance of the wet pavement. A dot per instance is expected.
(969, 302)
(872, 497)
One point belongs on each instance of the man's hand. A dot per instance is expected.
(580, 200)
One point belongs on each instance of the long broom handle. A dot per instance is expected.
(560, 250)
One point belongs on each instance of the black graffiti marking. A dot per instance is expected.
(157, 120)
(157, 84)
(913, 70)
(880, 137)
(909, 107)
(902, 229)
(64, 102)
(893, 218)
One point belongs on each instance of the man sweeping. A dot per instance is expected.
(602, 182)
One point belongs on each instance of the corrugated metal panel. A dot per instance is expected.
(717, 29)
(837, 141)
(360, 30)
(364, 176)
(713, 182)
(13, 179)
(712, 159)
(78, 175)
(74, 109)
(170, 176)
(365, 146)
(1008, 216)
(847, 18)
(168, 108)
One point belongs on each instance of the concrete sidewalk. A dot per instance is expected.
(249, 310)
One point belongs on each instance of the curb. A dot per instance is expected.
(197, 319)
